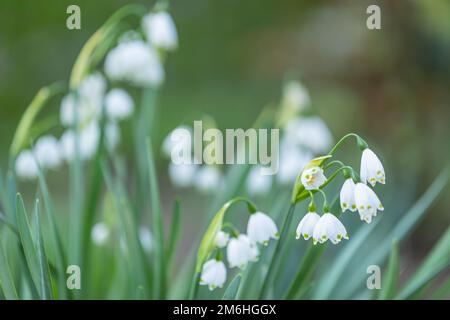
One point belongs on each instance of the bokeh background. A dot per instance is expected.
(391, 85)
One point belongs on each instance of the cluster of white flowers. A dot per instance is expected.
(205, 178)
(240, 249)
(305, 136)
(360, 196)
(353, 196)
(138, 61)
(133, 60)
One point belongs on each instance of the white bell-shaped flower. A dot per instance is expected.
(258, 183)
(48, 152)
(306, 226)
(26, 165)
(160, 30)
(367, 202)
(100, 233)
(207, 179)
(295, 96)
(88, 141)
(313, 178)
(240, 251)
(182, 175)
(310, 132)
(135, 62)
(222, 239)
(292, 160)
(214, 274)
(119, 104)
(178, 140)
(261, 228)
(146, 238)
(329, 228)
(347, 196)
(371, 170)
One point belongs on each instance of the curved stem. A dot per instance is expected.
(333, 163)
(361, 143)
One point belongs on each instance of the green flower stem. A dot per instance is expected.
(361, 143)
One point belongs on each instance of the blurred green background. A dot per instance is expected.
(391, 85)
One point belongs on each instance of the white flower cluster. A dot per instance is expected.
(240, 249)
(305, 136)
(360, 196)
(133, 60)
(205, 178)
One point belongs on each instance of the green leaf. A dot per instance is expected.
(232, 289)
(6, 279)
(158, 227)
(389, 287)
(44, 277)
(29, 247)
(174, 234)
(435, 262)
(22, 134)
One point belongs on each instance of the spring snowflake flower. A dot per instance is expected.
(295, 96)
(329, 228)
(119, 105)
(367, 202)
(214, 274)
(88, 141)
(261, 228)
(135, 62)
(26, 165)
(347, 196)
(48, 152)
(182, 175)
(372, 170)
(100, 233)
(222, 239)
(92, 89)
(160, 30)
(207, 179)
(312, 178)
(240, 251)
(257, 183)
(311, 133)
(146, 238)
(180, 136)
(306, 226)
(292, 161)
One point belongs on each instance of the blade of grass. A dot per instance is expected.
(158, 227)
(233, 288)
(389, 287)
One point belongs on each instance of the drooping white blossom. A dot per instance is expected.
(292, 161)
(222, 239)
(207, 179)
(48, 152)
(100, 233)
(261, 228)
(310, 132)
(295, 96)
(240, 251)
(180, 137)
(347, 196)
(258, 183)
(146, 238)
(214, 274)
(119, 104)
(26, 165)
(88, 140)
(160, 30)
(329, 228)
(313, 178)
(135, 62)
(367, 202)
(372, 170)
(306, 226)
(182, 175)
